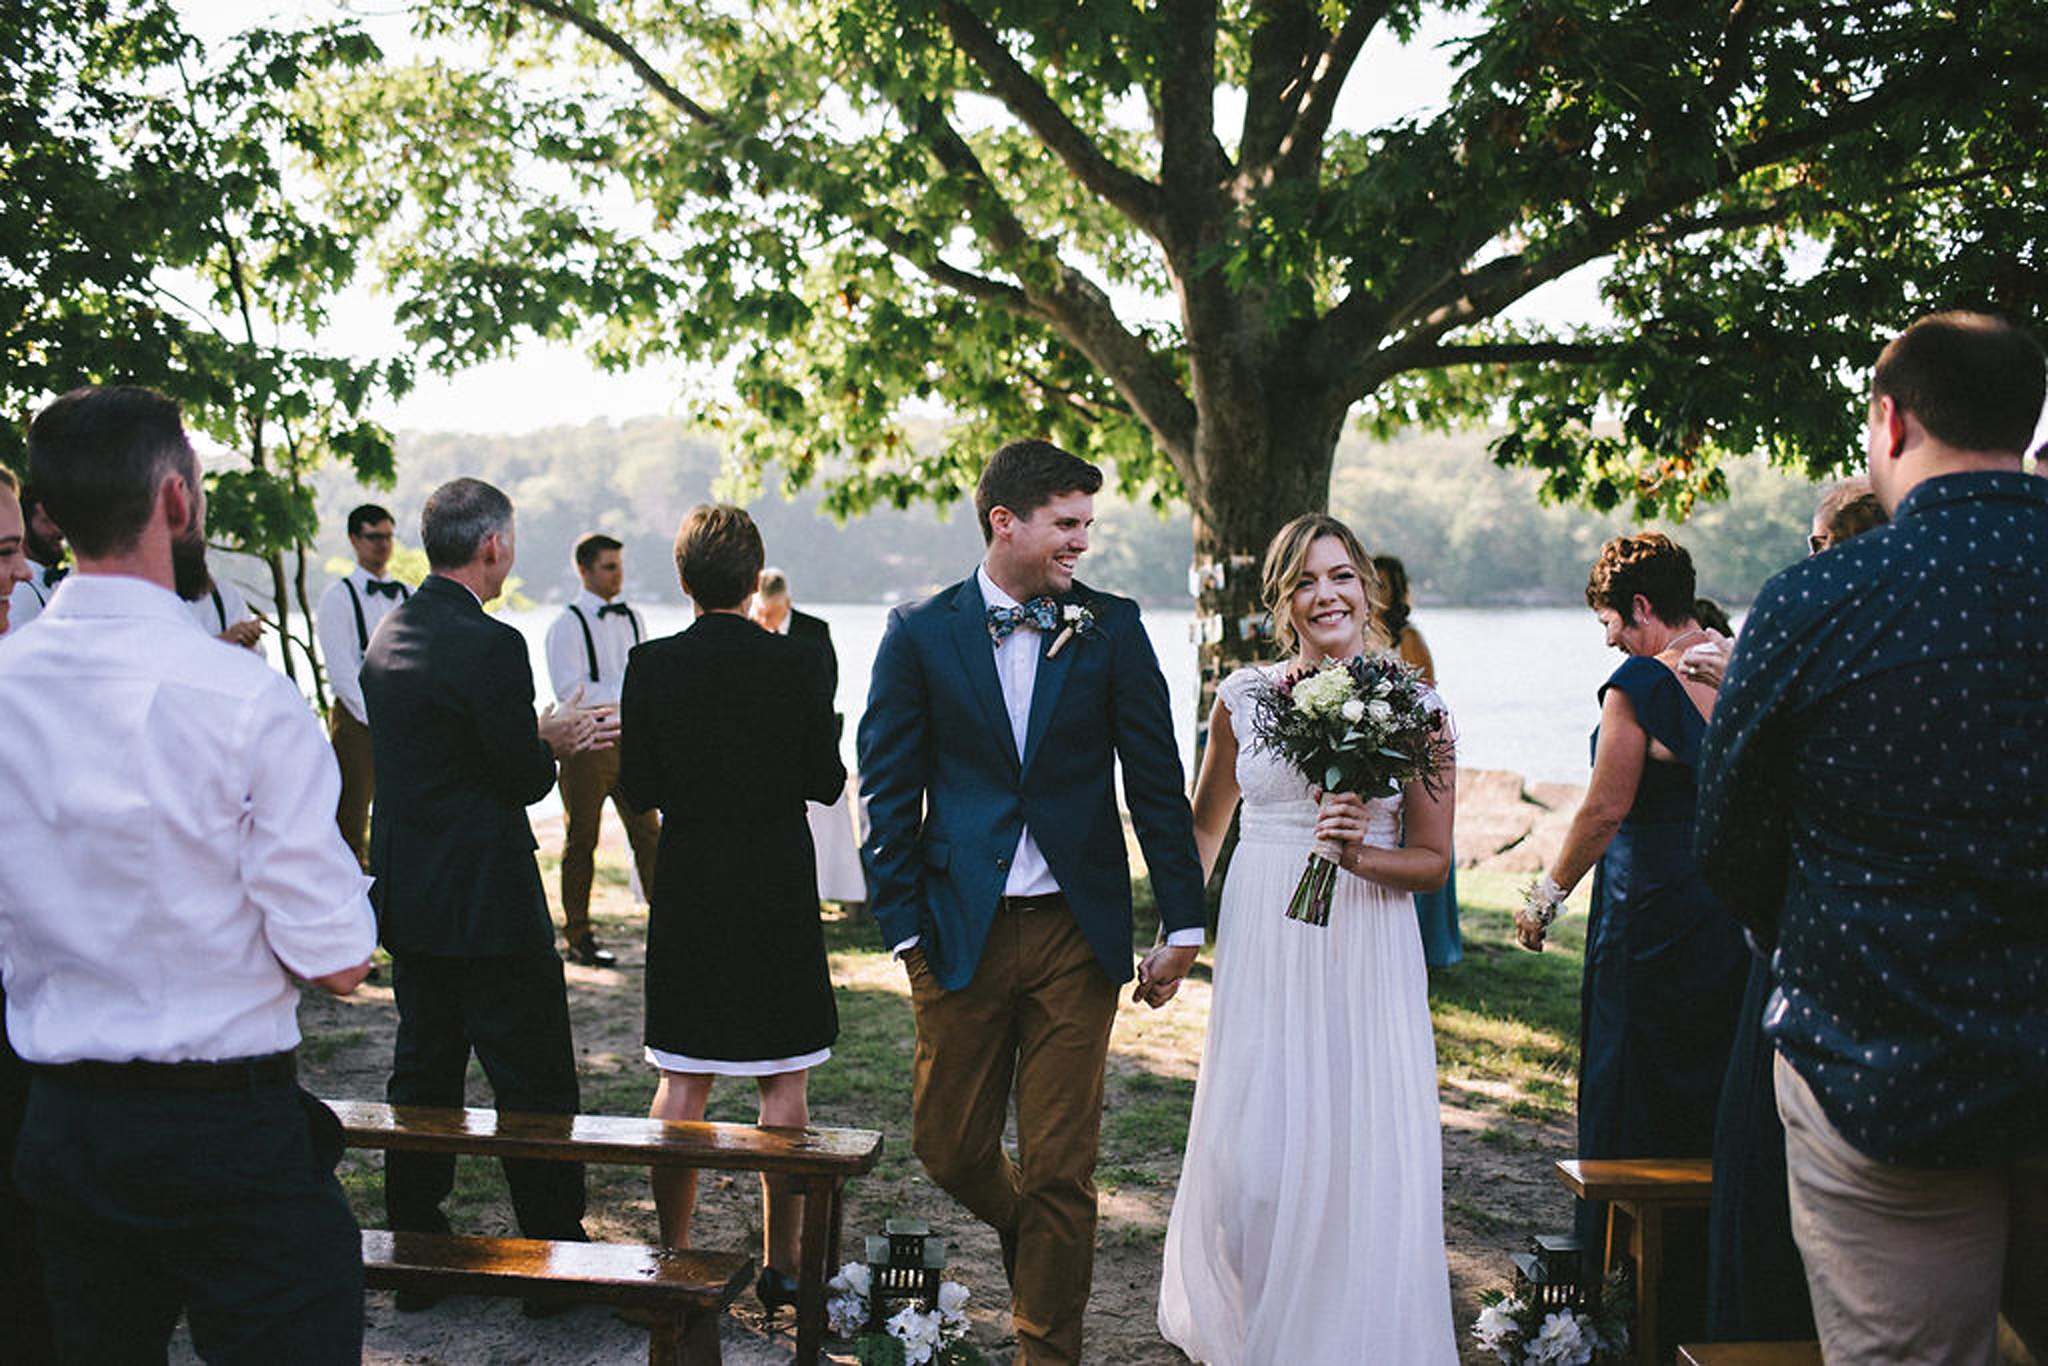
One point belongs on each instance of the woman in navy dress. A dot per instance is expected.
(1664, 962)
(728, 728)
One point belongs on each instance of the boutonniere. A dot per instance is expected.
(1075, 620)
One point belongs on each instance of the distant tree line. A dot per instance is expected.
(1472, 534)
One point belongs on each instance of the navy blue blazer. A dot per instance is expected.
(948, 795)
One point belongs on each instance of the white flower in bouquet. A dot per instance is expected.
(1563, 1340)
(953, 1304)
(918, 1331)
(1352, 710)
(1497, 1327)
(1380, 712)
(846, 1314)
(1324, 692)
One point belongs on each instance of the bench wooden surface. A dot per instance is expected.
(817, 1162)
(684, 1292)
(1750, 1354)
(1639, 1190)
(1666, 1180)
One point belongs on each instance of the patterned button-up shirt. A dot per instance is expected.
(1874, 797)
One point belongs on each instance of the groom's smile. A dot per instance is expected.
(1036, 554)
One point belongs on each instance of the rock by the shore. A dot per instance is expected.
(1505, 824)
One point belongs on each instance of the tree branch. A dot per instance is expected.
(1301, 150)
(619, 46)
(1130, 194)
(1514, 353)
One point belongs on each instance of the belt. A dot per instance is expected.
(237, 1074)
(1044, 901)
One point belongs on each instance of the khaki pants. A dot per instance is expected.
(586, 780)
(1036, 1015)
(1906, 1264)
(351, 739)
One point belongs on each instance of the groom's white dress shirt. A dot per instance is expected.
(173, 858)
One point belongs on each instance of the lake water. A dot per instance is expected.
(1520, 682)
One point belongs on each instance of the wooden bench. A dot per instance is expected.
(816, 1162)
(1749, 1354)
(683, 1294)
(1640, 1190)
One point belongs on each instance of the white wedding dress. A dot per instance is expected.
(1308, 1228)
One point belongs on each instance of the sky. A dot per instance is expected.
(548, 384)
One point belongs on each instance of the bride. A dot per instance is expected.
(1308, 1227)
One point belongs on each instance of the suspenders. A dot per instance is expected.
(355, 600)
(220, 609)
(590, 641)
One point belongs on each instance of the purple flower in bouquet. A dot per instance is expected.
(1363, 725)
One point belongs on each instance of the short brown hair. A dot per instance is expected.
(1976, 382)
(1649, 563)
(592, 544)
(96, 457)
(1288, 552)
(1850, 508)
(718, 555)
(1026, 475)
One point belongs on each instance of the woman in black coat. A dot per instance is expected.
(728, 729)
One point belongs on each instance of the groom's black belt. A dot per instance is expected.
(1045, 901)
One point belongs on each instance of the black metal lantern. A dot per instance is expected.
(1547, 1276)
(905, 1264)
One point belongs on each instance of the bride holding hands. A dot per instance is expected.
(1308, 1225)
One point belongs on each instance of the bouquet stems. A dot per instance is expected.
(1310, 903)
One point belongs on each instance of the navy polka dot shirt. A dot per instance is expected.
(1874, 799)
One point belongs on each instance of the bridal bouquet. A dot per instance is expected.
(912, 1336)
(1365, 725)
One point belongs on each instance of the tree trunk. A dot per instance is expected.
(1252, 490)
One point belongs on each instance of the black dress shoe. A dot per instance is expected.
(586, 952)
(775, 1289)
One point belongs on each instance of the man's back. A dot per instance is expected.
(155, 771)
(450, 696)
(1889, 707)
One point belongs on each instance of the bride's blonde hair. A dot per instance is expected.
(1284, 560)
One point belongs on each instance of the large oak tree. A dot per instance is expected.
(1151, 231)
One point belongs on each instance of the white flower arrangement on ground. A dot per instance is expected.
(913, 1336)
(1522, 1335)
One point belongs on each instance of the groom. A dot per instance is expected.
(997, 713)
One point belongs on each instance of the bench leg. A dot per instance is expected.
(821, 1214)
(700, 1339)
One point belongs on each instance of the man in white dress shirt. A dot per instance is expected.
(178, 799)
(344, 621)
(587, 647)
(43, 542)
(223, 613)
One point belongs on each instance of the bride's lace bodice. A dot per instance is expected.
(1277, 804)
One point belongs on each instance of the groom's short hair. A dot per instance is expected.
(1026, 475)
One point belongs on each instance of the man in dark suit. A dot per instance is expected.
(459, 901)
(997, 714)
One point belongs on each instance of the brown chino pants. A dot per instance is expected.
(351, 740)
(1036, 1015)
(586, 780)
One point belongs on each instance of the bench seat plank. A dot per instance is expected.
(623, 1140)
(1667, 1180)
(1750, 1354)
(596, 1273)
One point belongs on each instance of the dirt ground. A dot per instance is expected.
(1497, 1185)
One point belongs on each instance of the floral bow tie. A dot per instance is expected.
(1042, 613)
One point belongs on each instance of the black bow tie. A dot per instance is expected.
(618, 607)
(390, 588)
(1043, 613)
(54, 575)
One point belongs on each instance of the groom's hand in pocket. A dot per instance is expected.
(1160, 975)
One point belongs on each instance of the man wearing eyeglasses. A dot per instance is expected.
(346, 619)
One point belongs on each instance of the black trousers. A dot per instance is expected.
(513, 1011)
(24, 1316)
(223, 1205)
